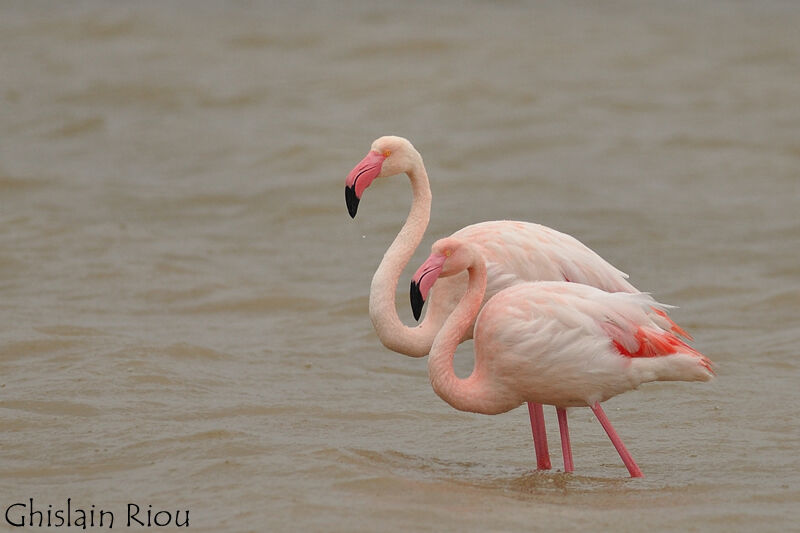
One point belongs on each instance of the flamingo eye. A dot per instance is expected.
(387, 153)
(448, 253)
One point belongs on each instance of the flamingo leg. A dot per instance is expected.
(616, 441)
(566, 449)
(539, 436)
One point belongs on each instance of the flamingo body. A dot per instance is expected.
(556, 343)
(563, 344)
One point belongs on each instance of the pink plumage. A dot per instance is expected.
(515, 252)
(555, 343)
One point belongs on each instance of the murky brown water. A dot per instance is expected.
(183, 311)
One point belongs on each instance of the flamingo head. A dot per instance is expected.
(448, 257)
(387, 156)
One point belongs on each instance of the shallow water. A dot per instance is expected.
(183, 320)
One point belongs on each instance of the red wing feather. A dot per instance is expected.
(656, 343)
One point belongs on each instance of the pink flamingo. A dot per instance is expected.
(514, 251)
(555, 343)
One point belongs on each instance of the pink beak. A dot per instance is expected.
(423, 280)
(360, 178)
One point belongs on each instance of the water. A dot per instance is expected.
(183, 320)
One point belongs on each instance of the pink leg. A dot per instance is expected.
(566, 449)
(539, 436)
(616, 441)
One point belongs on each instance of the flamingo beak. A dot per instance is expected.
(360, 178)
(351, 200)
(423, 280)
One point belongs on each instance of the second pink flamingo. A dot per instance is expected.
(555, 343)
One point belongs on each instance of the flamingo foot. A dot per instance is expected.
(536, 414)
(616, 441)
(566, 449)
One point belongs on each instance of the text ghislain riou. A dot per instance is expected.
(29, 514)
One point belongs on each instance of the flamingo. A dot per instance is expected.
(549, 342)
(514, 252)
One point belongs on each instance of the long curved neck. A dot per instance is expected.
(470, 394)
(395, 335)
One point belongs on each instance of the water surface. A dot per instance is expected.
(183, 320)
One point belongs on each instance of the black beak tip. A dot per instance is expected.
(352, 201)
(416, 300)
